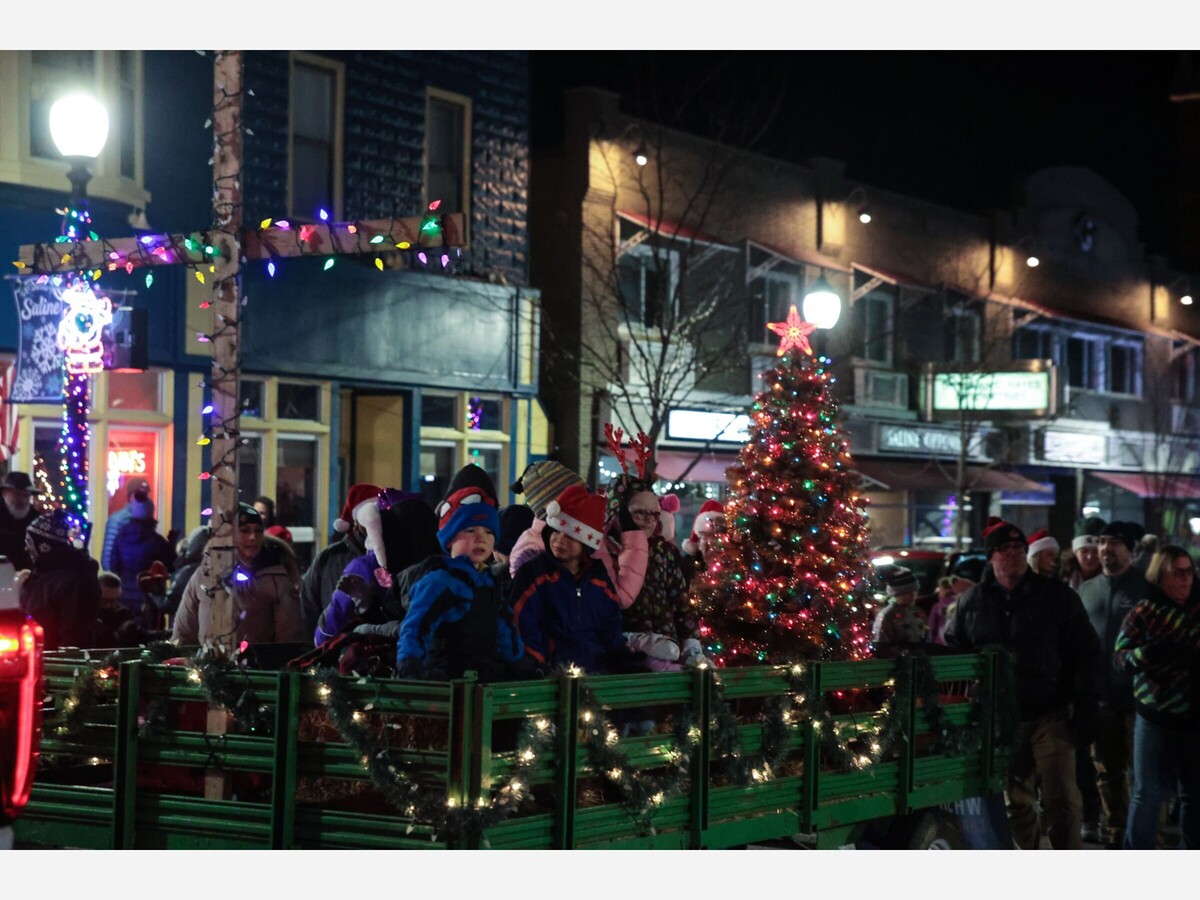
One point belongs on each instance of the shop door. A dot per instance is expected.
(377, 438)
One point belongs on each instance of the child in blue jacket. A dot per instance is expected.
(457, 619)
(565, 605)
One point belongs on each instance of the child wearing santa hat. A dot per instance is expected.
(565, 606)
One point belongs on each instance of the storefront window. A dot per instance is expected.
(439, 411)
(295, 482)
(437, 468)
(299, 401)
(131, 454)
(488, 457)
(134, 390)
(249, 462)
(251, 391)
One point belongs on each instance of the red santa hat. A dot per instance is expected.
(711, 512)
(1041, 540)
(358, 496)
(579, 514)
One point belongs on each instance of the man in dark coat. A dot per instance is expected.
(1108, 598)
(62, 592)
(137, 547)
(1055, 658)
(135, 485)
(16, 513)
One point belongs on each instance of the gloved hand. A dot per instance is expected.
(1159, 652)
(625, 519)
(386, 629)
(355, 586)
(1083, 721)
(410, 668)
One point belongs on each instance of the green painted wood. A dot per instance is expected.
(125, 757)
(283, 774)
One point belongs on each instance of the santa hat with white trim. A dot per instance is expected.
(1087, 532)
(1041, 540)
(711, 513)
(358, 495)
(579, 514)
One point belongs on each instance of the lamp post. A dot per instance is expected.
(822, 307)
(79, 127)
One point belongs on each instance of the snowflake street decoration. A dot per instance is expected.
(83, 323)
(43, 349)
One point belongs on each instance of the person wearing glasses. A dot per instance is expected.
(1159, 643)
(1056, 655)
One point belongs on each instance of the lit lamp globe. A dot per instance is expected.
(79, 127)
(822, 305)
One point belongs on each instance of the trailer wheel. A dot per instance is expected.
(933, 829)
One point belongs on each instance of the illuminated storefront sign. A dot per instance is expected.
(1028, 392)
(699, 425)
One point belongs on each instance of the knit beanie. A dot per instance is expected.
(901, 581)
(407, 533)
(1087, 532)
(579, 514)
(470, 501)
(1000, 532)
(708, 519)
(248, 515)
(358, 495)
(1128, 533)
(514, 521)
(50, 531)
(1041, 540)
(541, 482)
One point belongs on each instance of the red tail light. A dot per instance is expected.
(20, 708)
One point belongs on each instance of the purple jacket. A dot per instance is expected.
(938, 618)
(341, 608)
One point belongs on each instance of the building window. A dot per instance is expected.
(437, 468)
(439, 410)
(1124, 368)
(447, 154)
(1033, 343)
(1081, 362)
(298, 401)
(127, 117)
(251, 391)
(646, 281)
(1183, 381)
(315, 135)
(488, 457)
(963, 335)
(53, 74)
(773, 295)
(875, 323)
(134, 390)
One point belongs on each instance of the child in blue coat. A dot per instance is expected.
(565, 605)
(457, 619)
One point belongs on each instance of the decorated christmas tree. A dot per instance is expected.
(788, 579)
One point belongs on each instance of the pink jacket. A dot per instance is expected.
(627, 572)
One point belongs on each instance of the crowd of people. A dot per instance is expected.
(1105, 636)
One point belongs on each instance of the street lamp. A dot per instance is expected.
(822, 307)
(79, 127)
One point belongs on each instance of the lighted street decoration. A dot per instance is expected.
(793, 332)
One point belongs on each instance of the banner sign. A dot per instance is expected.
(39, 377)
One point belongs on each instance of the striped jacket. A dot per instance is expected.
(1165, 691)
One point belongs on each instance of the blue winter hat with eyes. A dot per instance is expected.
(470, 502)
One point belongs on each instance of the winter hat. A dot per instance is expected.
(1041, 540)
(248, 515)
(579, 514)
(470, 502)
(669, 505)
(408, 534)
(1000, 532)
(901, 581)
(355, 497)
(154, 579)
(1128, 533)
(542, 481)
(514, 520)
(1087, 532)
(141, 507)
(710, 514)
(280, 532)
(50, 531)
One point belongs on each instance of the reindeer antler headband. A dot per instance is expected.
(639, 445)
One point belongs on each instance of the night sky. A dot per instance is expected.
(956, 128)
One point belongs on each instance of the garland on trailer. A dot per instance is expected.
(448, 818)
(215, 672)
(99, 684)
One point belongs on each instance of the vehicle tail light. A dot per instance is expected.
(20, 708)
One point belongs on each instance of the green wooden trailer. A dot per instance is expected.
(129, 760)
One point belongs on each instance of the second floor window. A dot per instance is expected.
(963, 336)
(1033, 343)
(314, 138)
(647, 280)
(446, 127)
(771, 298)
(1124, 368)
(127, 117)
(1081, 364)
(875, 321)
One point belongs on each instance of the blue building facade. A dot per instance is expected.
(352, 374)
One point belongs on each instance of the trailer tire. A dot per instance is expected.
(933, 829)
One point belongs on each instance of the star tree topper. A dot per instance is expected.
(793, 333)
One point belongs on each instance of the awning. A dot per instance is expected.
(1171, 487)
(896, 278)
(709, 466)
(911, 476)
(668, 228)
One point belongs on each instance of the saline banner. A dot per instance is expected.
(39, 376)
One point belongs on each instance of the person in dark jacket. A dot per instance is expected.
(1055, 659)
(457, 620)
(17, 512)
(137, 546)
(320, 581)
(134, 485)
(62, 592)
(186, 564)
(1159, 642)
(564, 604)
(1108, 599)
